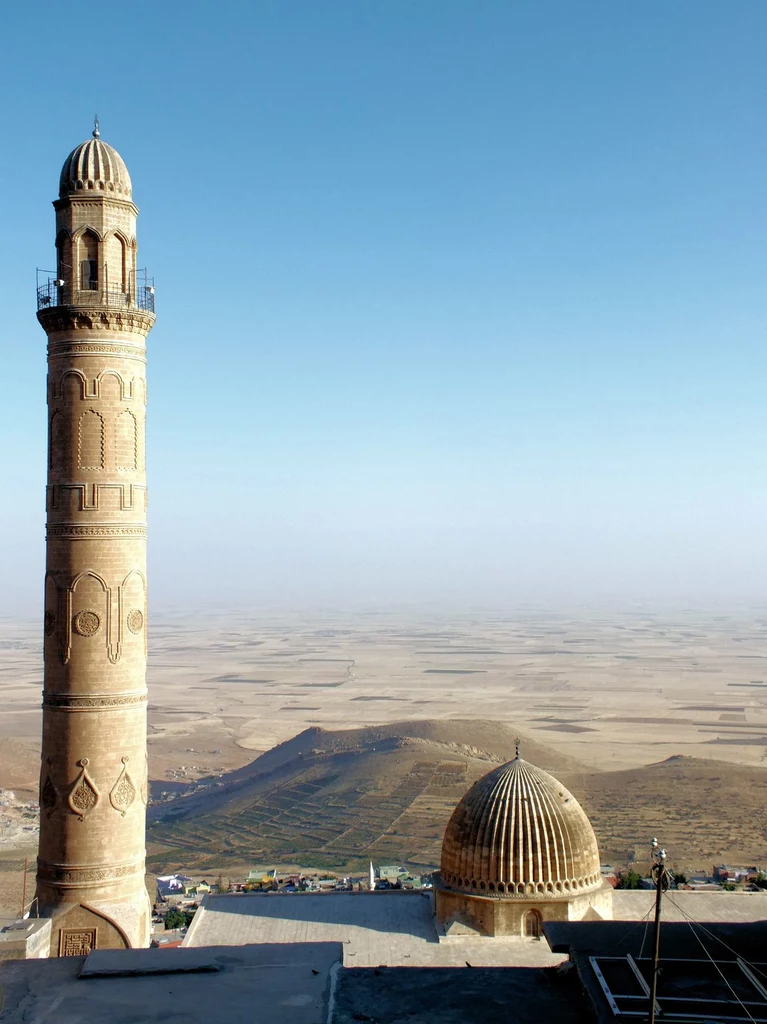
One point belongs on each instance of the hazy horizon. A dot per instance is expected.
(457, 304)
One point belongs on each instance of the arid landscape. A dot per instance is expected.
(595, 697)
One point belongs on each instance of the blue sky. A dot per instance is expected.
(458, 303)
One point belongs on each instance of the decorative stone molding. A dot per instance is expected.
(74, 532)
(105, 348)
(89, 496)
(83, 796)
(93, 702)
(90, 388)
(56, 319)
(75, 877)
(123, 792)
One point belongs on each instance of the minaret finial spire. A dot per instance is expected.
(96, 132)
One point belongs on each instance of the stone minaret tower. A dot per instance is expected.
(97, 312)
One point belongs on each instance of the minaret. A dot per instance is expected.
(97, 312)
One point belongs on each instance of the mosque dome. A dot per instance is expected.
(519, 833)
(95, 167)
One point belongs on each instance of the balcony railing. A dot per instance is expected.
(53, 292)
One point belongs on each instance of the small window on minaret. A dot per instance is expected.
(89, 261)
(90, 275)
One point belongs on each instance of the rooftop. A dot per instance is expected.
(681, 905)
(290, 984)
(395, 929)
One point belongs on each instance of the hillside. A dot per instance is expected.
(340, 798)
(703, 811)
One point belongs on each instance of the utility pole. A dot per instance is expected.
(660, 877)
(24, 891)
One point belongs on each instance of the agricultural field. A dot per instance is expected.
(596, 695)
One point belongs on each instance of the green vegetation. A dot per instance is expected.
(629, 879)
(178, 918)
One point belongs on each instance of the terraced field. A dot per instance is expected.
(336, 810)
(339, 799)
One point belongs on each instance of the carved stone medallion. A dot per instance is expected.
(83, 795)
(76, 941)
(50, 623)
(86, 623)
(135, 620)
(123, 792)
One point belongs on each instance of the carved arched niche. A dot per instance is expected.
(132, 602)
(90, 440)
(58, 442)
(89, 615)
(126, 441)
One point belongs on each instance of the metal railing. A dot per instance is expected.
(52, 292)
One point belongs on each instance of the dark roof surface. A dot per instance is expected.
(457, 995)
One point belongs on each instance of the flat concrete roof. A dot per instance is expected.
(284, 984)
(680, 904)
(393, 929)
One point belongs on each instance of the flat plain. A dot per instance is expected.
(611, 691)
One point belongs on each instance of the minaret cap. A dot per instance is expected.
(95, 168)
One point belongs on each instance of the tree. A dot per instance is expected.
(174, 919)
(680, 877)
(630, 879)
(178, 918)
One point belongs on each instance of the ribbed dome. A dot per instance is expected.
(95, 167)
(518, 832)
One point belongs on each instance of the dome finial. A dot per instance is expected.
(96, 132)
(516, 743)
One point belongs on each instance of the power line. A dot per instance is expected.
(692, 926)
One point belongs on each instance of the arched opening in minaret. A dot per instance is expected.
(117, 262)
(533, 924)
(64, 258)
(89, 262)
